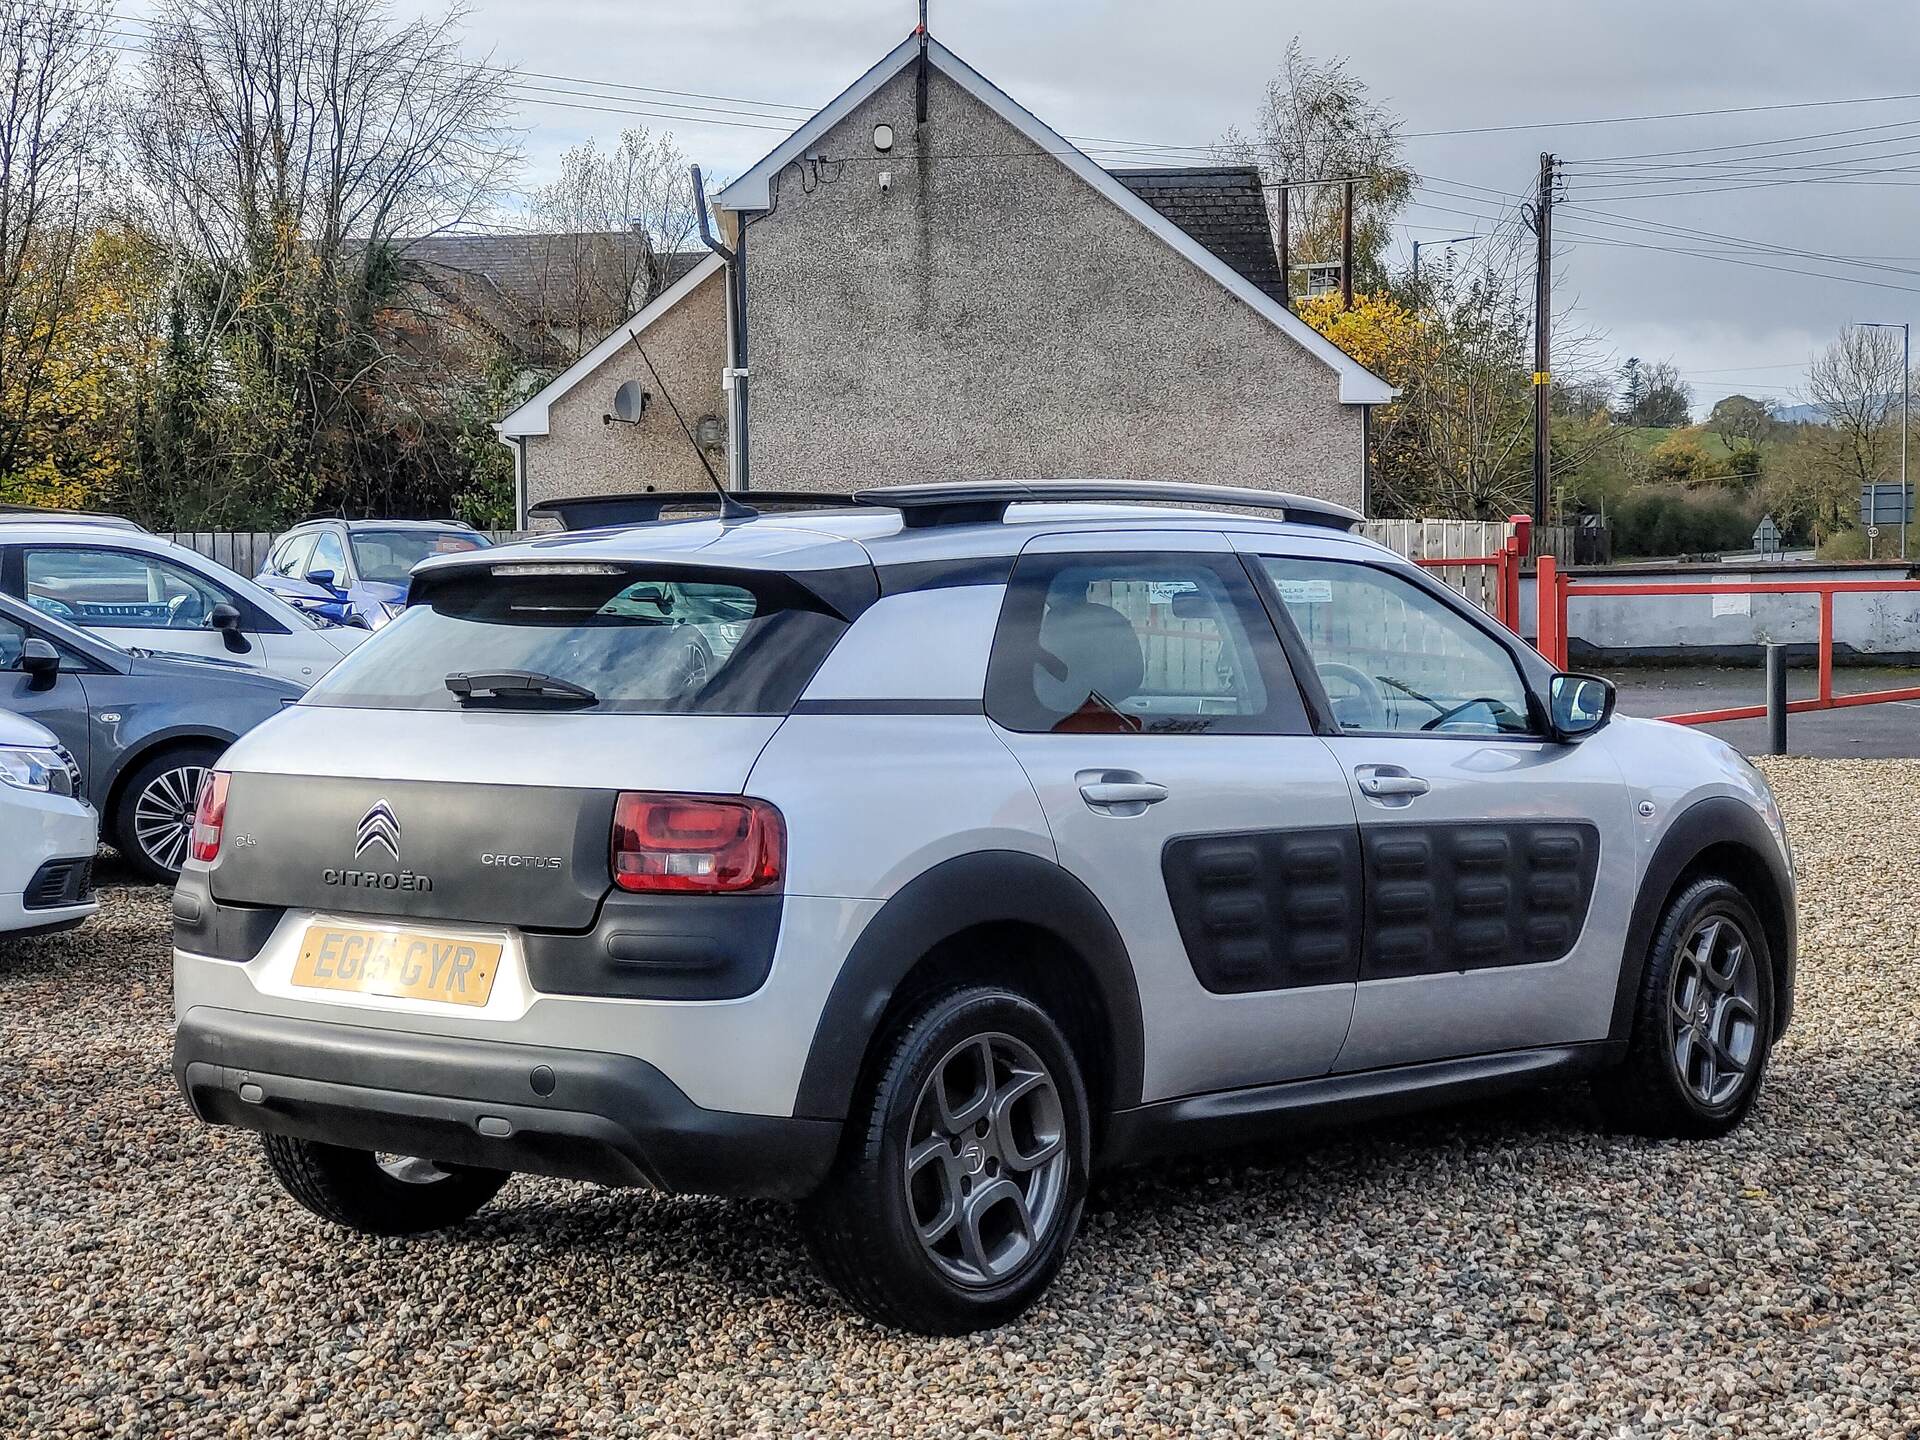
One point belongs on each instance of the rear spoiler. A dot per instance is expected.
(591, 512)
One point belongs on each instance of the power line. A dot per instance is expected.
(1743, 144)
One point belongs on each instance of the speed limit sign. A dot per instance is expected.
(1873, 532)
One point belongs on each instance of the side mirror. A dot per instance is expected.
(41, 661)
(323, 578)
(226, 619)
(1578, 705)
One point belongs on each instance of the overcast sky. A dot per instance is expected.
(1182, 73)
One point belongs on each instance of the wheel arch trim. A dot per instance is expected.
(1716, 822)
(985, 888)
(144, 749)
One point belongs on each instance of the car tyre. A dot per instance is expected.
(963, 1172)
(1703, 1020)
(379, 1196)
(153, 816)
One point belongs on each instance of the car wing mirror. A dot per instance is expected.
(323, 578)
(226, 619)
(1578, 705)
(41, 661)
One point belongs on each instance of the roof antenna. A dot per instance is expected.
(920, 81)
(730, 508)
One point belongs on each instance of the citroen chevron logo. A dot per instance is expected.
(379, 826)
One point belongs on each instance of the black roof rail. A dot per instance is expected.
(976, 502)
(588, 512)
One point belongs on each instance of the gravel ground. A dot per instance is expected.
(1501, 1272)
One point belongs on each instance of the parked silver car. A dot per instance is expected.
(131, 588)
(143, 726)
(910, 856)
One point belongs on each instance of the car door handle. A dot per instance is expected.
(1104, 794)
(1389, 782)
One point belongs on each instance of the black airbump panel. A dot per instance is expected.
(1475, 894)
(1267, 909)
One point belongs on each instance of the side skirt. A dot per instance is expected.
(1225, 1118)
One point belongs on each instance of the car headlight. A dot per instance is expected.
(34, 769)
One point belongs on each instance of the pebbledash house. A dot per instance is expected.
(964, 296)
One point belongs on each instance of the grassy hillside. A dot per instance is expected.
(1645, 437)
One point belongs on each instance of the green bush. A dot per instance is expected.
(1851, 544)
(1670, 520)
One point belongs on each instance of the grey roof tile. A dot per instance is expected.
(1222, 207)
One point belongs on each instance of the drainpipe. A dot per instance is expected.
(519, 482)
(735, 376)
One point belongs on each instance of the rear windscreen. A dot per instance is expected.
(635, 641)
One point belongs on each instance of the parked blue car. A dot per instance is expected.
(354, 572)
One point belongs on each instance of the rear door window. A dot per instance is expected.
(291, 560)
(667, 641)
(1144, 644)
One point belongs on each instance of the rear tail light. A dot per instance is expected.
(696, 844)
(210, 815)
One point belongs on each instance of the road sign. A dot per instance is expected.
(1880, 504)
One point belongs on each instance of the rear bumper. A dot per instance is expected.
(578, 1114)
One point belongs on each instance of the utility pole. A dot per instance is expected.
(1346, 248)
(1905, 327)
(1542, 337)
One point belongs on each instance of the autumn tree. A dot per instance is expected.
(1318, 121)
(287, 152)
(53, 74)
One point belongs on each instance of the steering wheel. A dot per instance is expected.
(178, 615)
(1363, 685)
(1492, 703)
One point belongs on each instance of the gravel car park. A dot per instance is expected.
(1510, 1271)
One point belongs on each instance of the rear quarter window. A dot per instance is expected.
(642, 640)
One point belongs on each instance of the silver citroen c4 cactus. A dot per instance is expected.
(913, 854)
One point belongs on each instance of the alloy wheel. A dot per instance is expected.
(986, 1164)
(1713, 1007)
(163, 815)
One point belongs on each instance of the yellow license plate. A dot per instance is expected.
(397, 963)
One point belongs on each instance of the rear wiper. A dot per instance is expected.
(517, 684)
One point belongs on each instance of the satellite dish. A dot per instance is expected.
(629, 403)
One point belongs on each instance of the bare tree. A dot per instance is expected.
(1856, 383)
(613, 220)
(288, 152)
(1317, 121)
(53, 74)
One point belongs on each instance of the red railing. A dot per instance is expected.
(1555, 589)
(1505, 567)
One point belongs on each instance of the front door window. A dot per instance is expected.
(119, 589)
(1394, 658)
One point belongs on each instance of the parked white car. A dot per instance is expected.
(46, 864)
(143, 592)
